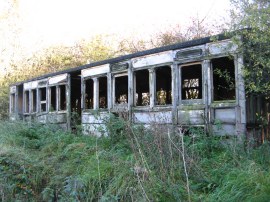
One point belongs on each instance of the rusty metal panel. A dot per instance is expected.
(226, 115)
(192, 117)
(154, 59)
(102, 69)
(153, 117)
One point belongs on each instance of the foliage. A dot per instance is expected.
(252, 17)
(43, 163)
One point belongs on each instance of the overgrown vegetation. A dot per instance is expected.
(43, 163)
(252, 17)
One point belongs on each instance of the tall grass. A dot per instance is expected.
(43, 163)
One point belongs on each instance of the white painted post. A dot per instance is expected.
(175, 80)
(130, 91)
(240, 96)
(96, 93)
(82, 93)
(58, 97)
(109, 90)
(207, 92)
(38, 100)
(152, 87)
(113, 91)
(68, 102)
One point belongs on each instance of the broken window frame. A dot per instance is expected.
(115, 76)
(60, 97)
(96, 92)
(85, 108)
(135, 88)
(212, 79)
(156, 90)
(12, 103)
(57, 97)
(26, 105)
(34, 103)
(42, 102)
(191, 101)
(106, 92)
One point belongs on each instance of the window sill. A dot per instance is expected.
(223, 104)
(58, 112)
(94, 111)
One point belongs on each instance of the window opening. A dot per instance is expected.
(53, 99)
(192, 82)
(103, 92)
(223, 78)
(163, 86)
(12, 104)
(20, 99)
(62, 105)
(75, 93)
(26, 107)
(121, 89)
(89, 89)
(142, 88)
(34, 100)
(42, 92)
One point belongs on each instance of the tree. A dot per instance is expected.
(52, 59)
(252, 18)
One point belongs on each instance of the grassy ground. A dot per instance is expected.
(43, 163)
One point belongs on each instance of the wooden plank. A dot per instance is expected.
(30, 85)
(57, 79)
(192, 117)
(93, 71)
(153, 117)
(154, 59)
(222, 47)
(226, 115)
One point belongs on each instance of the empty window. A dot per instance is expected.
(223, 79)
(62, 101)
(192, 82)
(53, 99)
(142, 88)
(12, 103)
(26, 104)
(89, 89)
(163, 85)
(42, 94)
(121, 89)
(34, 100)
(103, 92)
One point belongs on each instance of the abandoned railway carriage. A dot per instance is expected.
(195, 83)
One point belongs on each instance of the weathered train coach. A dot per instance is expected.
(196, 83)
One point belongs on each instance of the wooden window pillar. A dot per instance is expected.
(96, 93)
(175, 94)
(152, 87)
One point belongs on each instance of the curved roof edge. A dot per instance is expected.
(181, 45)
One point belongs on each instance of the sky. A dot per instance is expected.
(42, 23)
